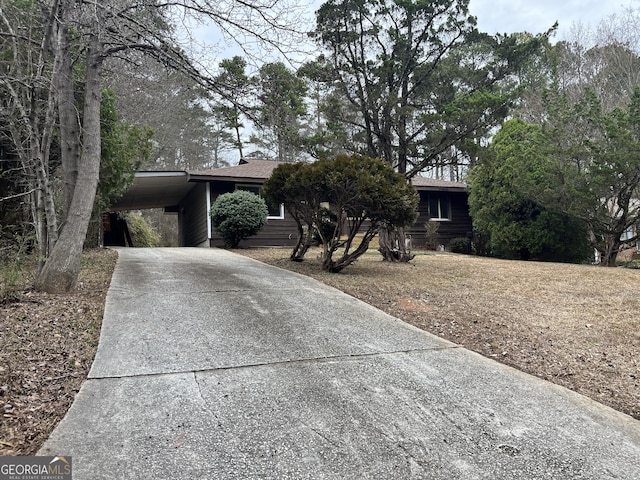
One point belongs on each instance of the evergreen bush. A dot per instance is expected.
(142, 233)
(237, 216)
(460, 245)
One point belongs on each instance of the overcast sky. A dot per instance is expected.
(536, 16)
(494, 16)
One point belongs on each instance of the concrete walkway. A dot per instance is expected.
(215, 366)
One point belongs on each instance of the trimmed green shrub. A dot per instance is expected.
(238, 215)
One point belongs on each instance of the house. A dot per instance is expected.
(444, 203)
(190, 195)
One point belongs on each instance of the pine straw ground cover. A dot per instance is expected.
(574, 325)
(47, 345)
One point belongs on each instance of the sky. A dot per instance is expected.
(494, 16)
(537, 16)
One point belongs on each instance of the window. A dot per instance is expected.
(275, 211)
(628, 234)
(439, 207)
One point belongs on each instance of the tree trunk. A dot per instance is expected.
(305, 238)
(69, 127)
(609, 253)
(60, 272)
(347, 258)
(394, 245)
(47, 204)
(236, 126)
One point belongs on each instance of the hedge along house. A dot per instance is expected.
(191, 194)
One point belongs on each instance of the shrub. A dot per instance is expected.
(460, 245)
(142, 233)
(432, 234)
(237, 216)
(363, 194)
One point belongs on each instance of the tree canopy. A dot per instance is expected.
(503, 200)
(573, 149)
(425, 84)
(54, 55)
(596, 174)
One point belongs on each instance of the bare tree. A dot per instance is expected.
(96, 32)
(29, 110)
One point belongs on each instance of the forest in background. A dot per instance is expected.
(89, 95)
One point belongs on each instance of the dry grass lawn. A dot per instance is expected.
(574, 325)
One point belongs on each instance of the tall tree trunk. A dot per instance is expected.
(60, 272)
(69, 121)
(236, 127)
(46, 204)
(609, 253)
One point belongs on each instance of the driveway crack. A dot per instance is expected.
(293, 361)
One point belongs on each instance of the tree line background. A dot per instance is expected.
(91, 92)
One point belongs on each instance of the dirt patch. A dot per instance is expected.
(47, 345)
(575, 325)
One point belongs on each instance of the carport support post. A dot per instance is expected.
(208, 210)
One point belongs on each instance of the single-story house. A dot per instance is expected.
(191, 194)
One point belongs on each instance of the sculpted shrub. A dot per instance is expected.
(237, 216)
(344, 202)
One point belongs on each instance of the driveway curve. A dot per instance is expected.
(212, 365)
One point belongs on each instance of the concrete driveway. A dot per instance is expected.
(215, 366)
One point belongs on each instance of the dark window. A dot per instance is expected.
(439, 207)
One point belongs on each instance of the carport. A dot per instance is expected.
(175, 194)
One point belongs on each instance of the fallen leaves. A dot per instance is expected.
(48, 345)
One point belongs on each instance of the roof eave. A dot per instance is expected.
(440, 188)
(224, 178)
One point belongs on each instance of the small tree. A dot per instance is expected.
(362, 194)
(238, 215)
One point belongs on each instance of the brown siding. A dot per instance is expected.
(282, 233)
(276, 233)
(193, 217)
(458, 226)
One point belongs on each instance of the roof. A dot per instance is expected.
(154, 190)
(434, 184)
(251, 169)
(259, 170)
(162, 189)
